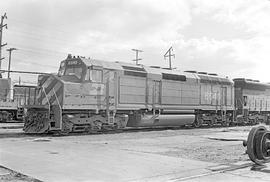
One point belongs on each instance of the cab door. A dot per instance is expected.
(110, 95)
(156, 93)
(223, 96)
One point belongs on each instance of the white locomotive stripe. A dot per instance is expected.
(59, 97)
(60, 100)
(45, 85)
(40, 92)
(47, 82)
(51, 92)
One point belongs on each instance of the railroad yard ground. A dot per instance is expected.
(205, 154)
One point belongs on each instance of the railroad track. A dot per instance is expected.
(20, 133)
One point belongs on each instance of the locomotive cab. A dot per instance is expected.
(77, 99)
(74, 70)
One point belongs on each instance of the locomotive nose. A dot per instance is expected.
(39, 116)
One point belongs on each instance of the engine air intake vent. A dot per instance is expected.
(191, 71)
(166, 76)
(167, 68)
(133, 73)
(213, 74)
(155, 67)
(133, 68)
(202, 73)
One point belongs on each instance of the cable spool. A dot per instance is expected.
(258, 145)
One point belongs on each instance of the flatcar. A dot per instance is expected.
(91, 95)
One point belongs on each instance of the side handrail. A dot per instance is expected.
(59, 108)
(47, 100)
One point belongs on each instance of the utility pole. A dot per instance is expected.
(9, 60)
(169, 54)
(137, 59)
(2, 25)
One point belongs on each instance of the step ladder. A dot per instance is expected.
(20, 113)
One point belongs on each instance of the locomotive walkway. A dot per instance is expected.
(169, 155)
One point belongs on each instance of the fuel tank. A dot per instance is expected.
(161, 120)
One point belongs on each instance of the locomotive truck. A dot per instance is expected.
(89, 95)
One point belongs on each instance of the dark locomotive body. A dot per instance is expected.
(252, 101)
(92, 95)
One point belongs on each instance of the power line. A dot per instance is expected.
(46, 42)
(36, 64)
(26, 72)
(39, 36)
(39, 26)
(38, 49)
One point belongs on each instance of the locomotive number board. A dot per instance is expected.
(73, 62)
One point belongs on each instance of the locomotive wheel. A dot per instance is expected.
(252, 142)
(256, 121)
(263, 149)
(211, 123)
(225, 124)
(259, 137)
(197, 123)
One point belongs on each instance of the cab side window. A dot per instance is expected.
(93, 75)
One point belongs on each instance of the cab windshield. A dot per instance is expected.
(76, 71)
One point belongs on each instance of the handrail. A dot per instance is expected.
(47, 100)
(59, 108)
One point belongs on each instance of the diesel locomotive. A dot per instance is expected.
(252, 101)
(91, 95)
(88, 95)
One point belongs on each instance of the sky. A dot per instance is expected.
(230, 38)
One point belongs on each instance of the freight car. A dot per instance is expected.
(92, 95)
(12, 100)
(8, 108)
(23, 95)
(252, 101)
